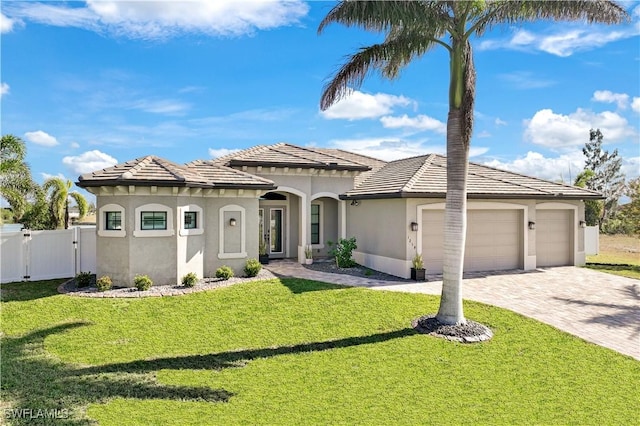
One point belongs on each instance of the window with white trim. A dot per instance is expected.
(191, 220)
(111, 221)
(154, 220)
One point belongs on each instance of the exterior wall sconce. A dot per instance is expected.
(532, 225)
(355, 202)
(582, 224)
(232, 222)
(414, 226)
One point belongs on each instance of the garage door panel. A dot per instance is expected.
(493, 241)
(554, 237)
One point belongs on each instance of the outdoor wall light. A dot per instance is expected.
(232, 222)
(414, 226)
(355, 202)
(582, 224)
(532, 225)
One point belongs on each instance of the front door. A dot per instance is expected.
(272, 230)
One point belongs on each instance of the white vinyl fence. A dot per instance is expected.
(591, 240)
(40, 255)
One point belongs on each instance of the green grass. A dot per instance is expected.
(296, 352)
(619, 255)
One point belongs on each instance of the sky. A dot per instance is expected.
(91, 84)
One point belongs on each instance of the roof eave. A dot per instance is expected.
(239, 163)
(474, 196)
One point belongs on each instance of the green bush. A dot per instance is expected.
(252, 267)
(224, 272)
(104, 283)
(343, 252)
(142, 282)
(189, 280)
(83, 279)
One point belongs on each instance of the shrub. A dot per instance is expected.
(224, 272)
(83, 279)
(189, 280)
(104, 283)
(142, 282)
(417, 261)
(343, 252)
(252, 267)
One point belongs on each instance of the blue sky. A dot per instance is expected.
(91, 84)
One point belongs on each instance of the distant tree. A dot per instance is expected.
(630, 212)
(607, 177)
(37, 215)
(592, 208)
(59, 194)
(16, 183)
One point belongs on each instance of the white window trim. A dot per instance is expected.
(139, 232)
(222, 226)
(200, 220)
(320, 244)
(103, 231)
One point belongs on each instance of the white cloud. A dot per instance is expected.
(162, 106)
(221, 152)
(6, 24)
(358, 105)
(561, 132)
(74, 145)
(563, 168)
(420, 122)
(46, 176)
(525, 80)
(164, 19)
(41, 138)
(635, 104)
(500, 122)
(4, 89)
(606, 96)
(565, 42)
(483, 134)
(390, 149)
(89, 161)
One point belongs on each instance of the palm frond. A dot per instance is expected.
(81, 202)
(518, 11)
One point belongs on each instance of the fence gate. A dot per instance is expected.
(40, 255)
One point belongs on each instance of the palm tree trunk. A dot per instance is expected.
(66, 214)
(455, 221)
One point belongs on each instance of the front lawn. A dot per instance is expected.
(295, 352)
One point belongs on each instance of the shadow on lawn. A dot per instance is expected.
(33, 379)
(622, 315)
(24, 291)
(298, 286)
(234, 359)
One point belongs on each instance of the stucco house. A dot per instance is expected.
(163, 219)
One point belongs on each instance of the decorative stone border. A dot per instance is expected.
(470, 332)
(69, 288)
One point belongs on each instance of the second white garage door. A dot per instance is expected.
(554, 239)
(494, 240)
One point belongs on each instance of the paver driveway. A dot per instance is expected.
(598, 307)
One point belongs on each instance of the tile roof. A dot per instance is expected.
(156, 171)
(287, 155)
(426, 176)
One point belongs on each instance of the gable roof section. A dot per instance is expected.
(156, 171)
(287, 155)
(426, 177)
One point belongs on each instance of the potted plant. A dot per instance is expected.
(418, 273)
(308, 254)
(263, 257)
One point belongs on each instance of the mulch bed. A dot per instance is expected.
(469, 332)
(357, 271)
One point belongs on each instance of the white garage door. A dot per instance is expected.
(494, 240)
(554, 239)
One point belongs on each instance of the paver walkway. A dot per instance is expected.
(598, 307)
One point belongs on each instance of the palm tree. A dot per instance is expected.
(15, 177)
(412, 28)
(58, 190)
